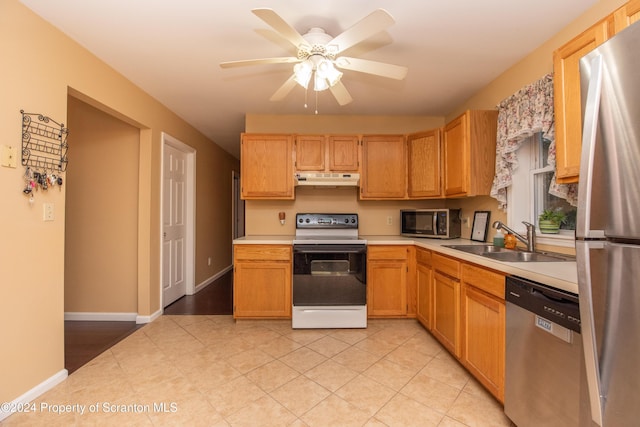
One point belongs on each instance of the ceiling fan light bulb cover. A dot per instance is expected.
(303, 72)
(320, 83)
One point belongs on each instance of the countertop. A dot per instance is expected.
(561, 275)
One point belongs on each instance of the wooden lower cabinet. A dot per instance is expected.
(464, 309)
(424, 288)
(483, 338)
(446, 312)
(387, 270)
(262, 281)
(483, 325)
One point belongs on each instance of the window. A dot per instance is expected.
(529, 194)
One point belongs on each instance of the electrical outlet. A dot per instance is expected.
(389, 220)
(47, 212)
(9, 156)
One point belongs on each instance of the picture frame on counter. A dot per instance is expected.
(480, 226)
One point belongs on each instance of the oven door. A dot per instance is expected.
(329, 275)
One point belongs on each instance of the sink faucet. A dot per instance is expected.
(530, 240)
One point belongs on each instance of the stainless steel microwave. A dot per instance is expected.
(434, 223)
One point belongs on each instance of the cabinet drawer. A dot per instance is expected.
(387, 252)
(262, 252)
(423, 257)
(486, 280)
(446, 265)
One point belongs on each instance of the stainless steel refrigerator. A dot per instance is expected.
(608, 230)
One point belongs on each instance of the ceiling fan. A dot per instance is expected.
(318, 55)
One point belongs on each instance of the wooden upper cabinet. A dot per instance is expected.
(567, 98)
(333, 153)
(425, 165)
(626, 15)
(266, 166)
(310, 152)
(469, 145)
(343, 153)
(384, 167)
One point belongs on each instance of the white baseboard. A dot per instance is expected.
(31, 395)
(148, 319)
(212, 279)
(97, 317)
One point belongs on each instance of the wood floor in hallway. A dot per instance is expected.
(84, 340)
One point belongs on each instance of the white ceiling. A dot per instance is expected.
(171, 49)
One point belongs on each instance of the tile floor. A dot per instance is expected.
(212, 371)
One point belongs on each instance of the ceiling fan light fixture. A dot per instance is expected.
(320, 83)
(303, 71)
(327, 70)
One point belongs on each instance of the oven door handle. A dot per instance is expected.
(330, 250)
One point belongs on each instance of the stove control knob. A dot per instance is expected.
(300, 220)
(307, 220)
(346, 220)
(353, 220)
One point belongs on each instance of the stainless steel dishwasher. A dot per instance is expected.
(543, 355)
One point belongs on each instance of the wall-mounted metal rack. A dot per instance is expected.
(44, 143)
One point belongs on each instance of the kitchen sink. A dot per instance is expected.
(509, 255)
(478, 249)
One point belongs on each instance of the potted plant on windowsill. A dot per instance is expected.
(550, 220)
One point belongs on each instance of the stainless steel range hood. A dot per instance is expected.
(328, 179)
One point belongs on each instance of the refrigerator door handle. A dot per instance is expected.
(590, 347)
(589, 132)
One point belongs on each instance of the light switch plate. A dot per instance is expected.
(47, 212)
(9, 156)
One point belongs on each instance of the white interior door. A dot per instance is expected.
(174, 230)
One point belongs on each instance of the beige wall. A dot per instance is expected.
(101, 227)
(535, 64)
(40, 67)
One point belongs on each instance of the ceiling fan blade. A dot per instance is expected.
(284, 89)
(341, 93)
(383, 69)
(271, 18)
(246, 62)
(371, 24)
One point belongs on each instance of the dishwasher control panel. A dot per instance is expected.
(546, 302)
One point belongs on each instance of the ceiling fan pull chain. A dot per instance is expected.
(316, 102)
(306, 90)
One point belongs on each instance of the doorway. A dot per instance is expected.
(178, 220)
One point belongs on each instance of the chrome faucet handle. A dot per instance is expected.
(531, 236)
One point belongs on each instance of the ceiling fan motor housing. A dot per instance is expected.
(318, 41)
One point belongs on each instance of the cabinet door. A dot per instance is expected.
(262, 289)
(446, 312)
(424, 278)
(626, 15)
(483, 338)
(456, 157)
(383, 167)
(266, 166)
(310, 153)
(424, 173)
(567, 103)
(343, 153)
(387, 288)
